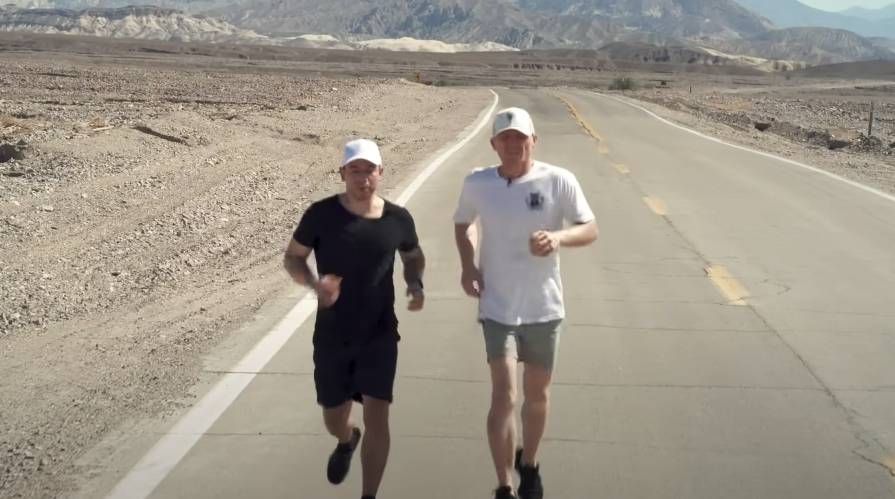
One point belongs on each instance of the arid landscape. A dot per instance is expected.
(147, 190)
(144, 213)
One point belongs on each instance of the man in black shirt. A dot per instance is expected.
(354, 237)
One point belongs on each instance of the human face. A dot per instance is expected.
(361, 178)
(514, 148)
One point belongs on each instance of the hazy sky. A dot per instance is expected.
(844, 4)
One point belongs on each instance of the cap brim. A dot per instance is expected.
(527, 133)
(363, 157)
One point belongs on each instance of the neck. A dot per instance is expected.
(511, 171)
(362, 206)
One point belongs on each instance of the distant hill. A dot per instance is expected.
(883, 70)
(522, 24)
(792, 13)
(887, 43)
(887, 12)
(812, 45)
(643, 52)
(677, 18)
(148, 23)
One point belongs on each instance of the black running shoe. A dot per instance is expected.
(340, 459)
(530, 486)
(505, 492)
(518, 462)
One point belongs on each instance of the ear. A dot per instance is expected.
(380, 170)
(534, 139)
(492, 144)
(342, 173)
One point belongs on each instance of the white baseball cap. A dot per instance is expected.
(513, 118)
(362, 149)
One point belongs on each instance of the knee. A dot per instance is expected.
(336, 419)
(538, 397)
(334, 426)
(376, 417)
(503, 401)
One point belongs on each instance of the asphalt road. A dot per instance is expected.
(731, 334)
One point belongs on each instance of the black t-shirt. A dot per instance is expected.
(362, 252)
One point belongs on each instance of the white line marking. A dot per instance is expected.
(852, 183)
(171, 447)
(164, 456)
(411, 189)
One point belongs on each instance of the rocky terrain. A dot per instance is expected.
(143, 214)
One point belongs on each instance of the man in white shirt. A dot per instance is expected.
(521, 205)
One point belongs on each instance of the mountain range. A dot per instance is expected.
(728, 27)
(158, 23)
(811, 45)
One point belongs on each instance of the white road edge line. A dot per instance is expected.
(762, 153)
(411, 189)
(164, 456)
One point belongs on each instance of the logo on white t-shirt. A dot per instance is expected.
(535, 201)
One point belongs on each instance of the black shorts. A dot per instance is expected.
(345, 373)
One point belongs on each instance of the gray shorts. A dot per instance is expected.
(530, 343)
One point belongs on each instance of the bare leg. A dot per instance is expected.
(377, 440)
(501, 423)
(536, 387)
(337, 421)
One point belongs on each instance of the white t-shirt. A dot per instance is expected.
(520, 288)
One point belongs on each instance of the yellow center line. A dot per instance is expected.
(601, 144)
(733, 291)
(657, 205)
(622, 169)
